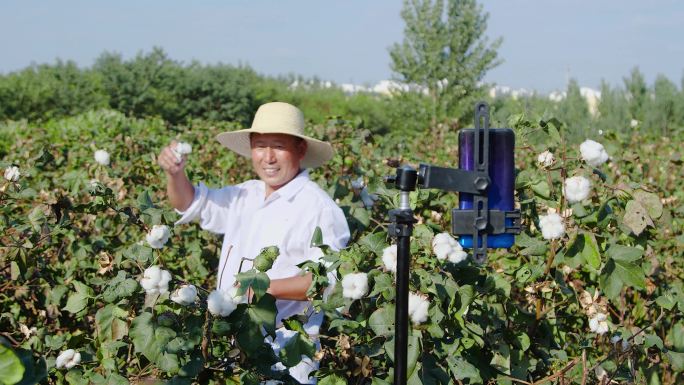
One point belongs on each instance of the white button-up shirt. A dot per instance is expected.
(250, 222)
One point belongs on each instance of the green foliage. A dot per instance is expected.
(445, 52)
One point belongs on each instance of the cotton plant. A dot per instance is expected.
(155, 280)
(355, 285)
(446, 247)
(223, 302)
(158, 236)
(577, 189)
(102, 157)
(360, 188)
(593, 153)
(418, 308)
(185, 295)
(181, 149)
(12, 173)
(68, 359)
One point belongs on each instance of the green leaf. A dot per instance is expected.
(624, 253)
(382, 321)
(151, 340)
(676, 360)
(11, 368)
(542, 189)
(317, 238)
(462, 369)
(259, 282)
(111, 323)
(76, 302)
(298, 346)
(332, 380)
(653, 340)
(585, 246)
(263, 313)
(375, 242)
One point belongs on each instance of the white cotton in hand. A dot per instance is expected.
(355, 285)
(181, 149)
(577, 189)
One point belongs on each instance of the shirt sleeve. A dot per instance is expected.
(211, 207)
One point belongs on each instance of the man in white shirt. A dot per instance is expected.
(282, 208)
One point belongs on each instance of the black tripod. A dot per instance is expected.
(478, 221)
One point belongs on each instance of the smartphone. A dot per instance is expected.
(501, 173)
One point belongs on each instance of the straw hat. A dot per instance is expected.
(278, 118)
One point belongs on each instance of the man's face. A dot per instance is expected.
(276, 158)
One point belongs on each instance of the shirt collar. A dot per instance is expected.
(292, 187)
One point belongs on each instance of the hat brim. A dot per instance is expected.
(317, 151)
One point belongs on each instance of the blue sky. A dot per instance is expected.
(545, 41)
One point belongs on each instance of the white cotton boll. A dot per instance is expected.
(185, 295)
(158, 236)
(545, 159)
(181, 149)
(599, 324)
(102, 157)
(593, 153)
(457, 255)
(12, 173)
(633, 123)
(68, 359)
(221, 303)
(577, 189)
(446, 247)
(389, 258)
(355, 285)
(418, 308)
(552, 226)
(155, 280)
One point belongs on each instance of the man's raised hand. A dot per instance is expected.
(171, 160)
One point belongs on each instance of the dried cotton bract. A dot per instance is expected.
(418, 308)
(158, 236)
(355, 285)
(552, 226)
(224, 302)
(12, 173)
(545, 159)
(577, 189)
(68, 359)
(593, 153)
(185, 295)
(389, 258)
(102, 157)
(446, 247)
(155, 280)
